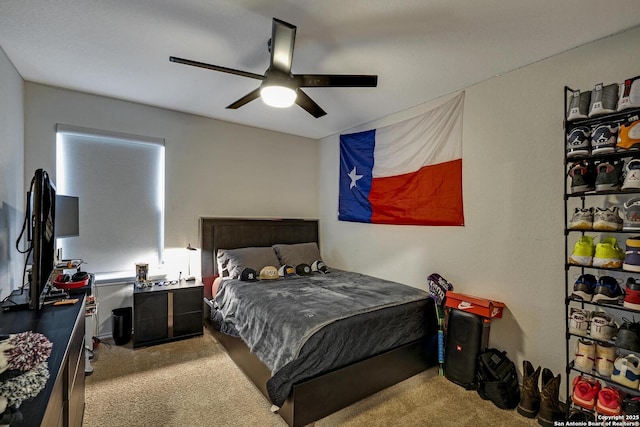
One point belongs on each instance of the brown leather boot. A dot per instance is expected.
(550, 411)
(530, 395)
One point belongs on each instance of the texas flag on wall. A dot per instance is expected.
(406, 173)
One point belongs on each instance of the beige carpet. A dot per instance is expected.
(193, 383)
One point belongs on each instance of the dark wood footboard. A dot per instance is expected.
(325, 394)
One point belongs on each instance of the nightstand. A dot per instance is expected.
(163, 313)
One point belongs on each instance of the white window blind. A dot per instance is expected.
(119, 180)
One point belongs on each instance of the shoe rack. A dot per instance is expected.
(594, 199)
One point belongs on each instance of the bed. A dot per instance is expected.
(307, 389)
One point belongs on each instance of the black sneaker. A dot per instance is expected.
(584, 287)
(578, 415)
(608, 291)
(583, 176)
(628, 336)
(632, 405)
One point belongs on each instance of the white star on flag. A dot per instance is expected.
(354, 177)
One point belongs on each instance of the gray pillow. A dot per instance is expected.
(231, 262)
(300, 253)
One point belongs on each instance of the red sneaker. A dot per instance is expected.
(632, 294)
(609, 401)
(585, 391)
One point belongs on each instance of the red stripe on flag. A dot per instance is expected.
(430, 196)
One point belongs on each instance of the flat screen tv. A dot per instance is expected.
(42, 211)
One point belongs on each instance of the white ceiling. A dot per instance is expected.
(420, 49)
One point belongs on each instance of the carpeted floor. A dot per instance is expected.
(193, 383)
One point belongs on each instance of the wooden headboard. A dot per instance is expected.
(233, 233)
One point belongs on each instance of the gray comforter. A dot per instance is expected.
(276, 318)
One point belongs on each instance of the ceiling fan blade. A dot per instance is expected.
(283, 37)
(245, 99)
(216, 68)
(309, 104)
(335, 80)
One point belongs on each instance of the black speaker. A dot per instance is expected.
(467, 337)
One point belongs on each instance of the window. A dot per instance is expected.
(119, 180)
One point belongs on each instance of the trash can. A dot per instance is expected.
(121, 323)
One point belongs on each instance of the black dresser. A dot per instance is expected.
(61, 402)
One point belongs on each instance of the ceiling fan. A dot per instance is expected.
(281, 88)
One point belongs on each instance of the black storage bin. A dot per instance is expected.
(121, 323)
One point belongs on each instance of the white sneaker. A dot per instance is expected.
(582, 219)
(585, 355)
(632, 175)
(603, 326)
(629, 94)
(608, 219)
(626, 371)
(605, 358)
(579, 321)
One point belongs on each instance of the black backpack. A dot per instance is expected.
(498, 379)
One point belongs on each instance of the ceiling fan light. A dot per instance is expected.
(278, 96)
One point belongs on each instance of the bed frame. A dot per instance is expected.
(315, 398)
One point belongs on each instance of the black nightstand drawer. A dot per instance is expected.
(187, 300)
(150, 306)
(167, 313)
(151, 331)
(186, 324)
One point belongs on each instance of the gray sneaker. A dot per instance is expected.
(604, 99)
(609, 175)
(607, 219)
(579, 105)
(631, 215)
(582, 219)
